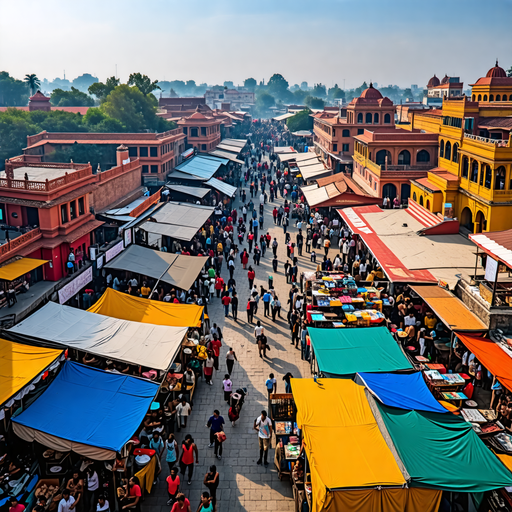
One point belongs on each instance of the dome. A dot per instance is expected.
(433, 82)
(371, 93)
(496, 72)
(445, 80)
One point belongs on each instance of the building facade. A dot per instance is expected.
(229, 99)
(158, 152)
(202, 132)
(473, 181)
(334, 133)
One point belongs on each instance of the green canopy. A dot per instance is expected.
(442, 451)
(351, 350)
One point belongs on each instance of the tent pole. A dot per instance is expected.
(495, 285)
(158, 280)
(476, 265)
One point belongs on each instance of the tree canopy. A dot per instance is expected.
(312, 102)
(73, 98)
(83, 82)
(250, 83)
(13, 93)
(264, 101)
(300, 121)
(143, 83)
(319, 91)
(277, 85)
(102, 90)
(33, 83)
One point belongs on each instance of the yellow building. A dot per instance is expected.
(474, 179)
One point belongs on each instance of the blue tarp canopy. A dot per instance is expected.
(87, 410)
(405, 391)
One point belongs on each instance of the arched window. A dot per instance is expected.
(505, 97)
(404, 158)
(491, 97)
(465, 167)
(441, 149)
(485, 97)
(387, 119)
(376, 118)
(380, 157)
(359, 118)
(421, 200)
(482, 175)
(498, 97)
(448, 151)
(488, 177)
(473, 98)
(345, 133)
(428, 204)
(474, 171)
(479, 97)
(499, 179)
(455, 155)
(368, 118)
(414, 196)
(423, 156)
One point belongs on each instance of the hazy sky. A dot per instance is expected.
(388, 41)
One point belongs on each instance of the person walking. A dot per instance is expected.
(263, 425)
(181, 504)
(287, 383)
(208, 368)
(250, 276)
(206, 504)
(173, 452)
(226, 301)
(215, 424)
(274, 247)
(230, 360)
(182, 412)
(227, 386)
(211, 481)
(188, 450)
(234, 306)
(271, 384)
(173, 485)
(276, 308)
(266, 303)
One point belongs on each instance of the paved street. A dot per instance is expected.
(243, 484)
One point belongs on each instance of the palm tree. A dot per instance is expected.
(33, 83)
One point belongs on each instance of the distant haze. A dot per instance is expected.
(399, 42)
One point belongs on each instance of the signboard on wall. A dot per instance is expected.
(491, 269)
(114, 251)
(127, 237)
(72, 288)
(100, 260)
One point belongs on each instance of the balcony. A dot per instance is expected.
(8, 249)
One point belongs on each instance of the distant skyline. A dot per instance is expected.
(398, 42)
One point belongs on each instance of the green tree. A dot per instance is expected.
(408, 95)
(143, 82)
(97, 121)
(229, 84)
(360, 89)
(102, 90)
(299, 96)
(33, 83)
(83, 82)
(312, 102)
(335, 93)
(104, 155)
(73, 98)
(300, 121)
(13, 92)
(15, 125)
(277, 85)
(319, 91)
(250, 84)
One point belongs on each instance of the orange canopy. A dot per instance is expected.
(493, 357)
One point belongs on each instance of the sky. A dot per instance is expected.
(346, 42)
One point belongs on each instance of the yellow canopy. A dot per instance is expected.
(343, 442)
(20, 364)
(127, 307)
(18, 268)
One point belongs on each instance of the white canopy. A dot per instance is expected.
(149, 345)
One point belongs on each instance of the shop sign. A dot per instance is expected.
(100, 260)
(72, 288)
(114, 251)
(127, 237)
(491, 269)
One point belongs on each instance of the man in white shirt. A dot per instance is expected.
(67, 503)
(409, 320)
(133, 282)
(263, 425)
(183, 412)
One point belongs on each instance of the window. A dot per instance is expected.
(368, 118)
(414, 198)
(473, 98)
(448, 151)
(359, 118)
(488, 177)
(505, 97)
(375, 118)
(145, 169)
(455, 156)
(153, 151)
(404, 158)
(441, 149)
(203, 147)
(143, 152)
(423, 156)
(333, 132)
(491, 97)
(465, 167)
(360, 131)
(203, 131)
(345, 133)
(64, 213)
(132, 152)
(185, 130)
(335, 147)
(474, 172)
(499, 181)
(498, 97)
(380, 157)
(193, 132)
(421, 200)
(387, 119)
(154, 169)
(81, 206)
(482, 174)
(344, 147)
(485, 97)
(479, 97)
(452, 121)
(72, 210)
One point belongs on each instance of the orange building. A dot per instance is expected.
(158, 152)
(52, 206)
(385, 160)
(334, 134)
(202, 132)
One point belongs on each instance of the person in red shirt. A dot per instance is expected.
(226, 301)
(182, 504)
(173, 485)
(251, 275)
(219, 285)
(250, 239)
(134, 494)
(215, 346)
(274, 214)
(245, 258)
(16, 506)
